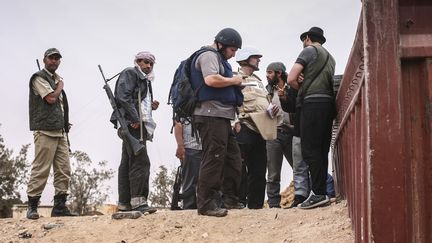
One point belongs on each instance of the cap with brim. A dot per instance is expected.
(316, 32)
(52, 51)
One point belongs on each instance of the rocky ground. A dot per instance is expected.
(325, 224)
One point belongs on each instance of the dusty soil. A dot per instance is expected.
(325, 224)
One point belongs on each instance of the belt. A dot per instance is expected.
(318, 96)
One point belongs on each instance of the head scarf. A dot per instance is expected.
(146, 56)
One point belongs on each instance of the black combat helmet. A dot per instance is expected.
(229, 37)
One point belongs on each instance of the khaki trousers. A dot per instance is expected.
(49, 151)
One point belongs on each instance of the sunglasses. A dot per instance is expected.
(145, 61)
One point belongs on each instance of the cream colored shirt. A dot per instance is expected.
(42, 88)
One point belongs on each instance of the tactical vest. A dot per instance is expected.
(255, 100)
(230, 95)
(324, 81)
(45, 116)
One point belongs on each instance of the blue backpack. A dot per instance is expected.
(182, 96)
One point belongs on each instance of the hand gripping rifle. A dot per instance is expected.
(134, 143)
(176, 190)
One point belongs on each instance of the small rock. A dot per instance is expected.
(240, 230)
(25, 235)
(205, 235)
(51, 226)
(300, 222)
(178, 226)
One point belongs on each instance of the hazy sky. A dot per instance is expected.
(111, 32)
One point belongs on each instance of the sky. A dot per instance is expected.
(111, 32)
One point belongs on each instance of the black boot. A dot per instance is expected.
(60, 208)
(32, 207)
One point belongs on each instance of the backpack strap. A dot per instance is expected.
(193, 58)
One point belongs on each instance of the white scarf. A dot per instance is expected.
(146, 108)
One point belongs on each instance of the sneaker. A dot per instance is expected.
(297, 200)
(145, 209)
(314, 201)
(217, 212)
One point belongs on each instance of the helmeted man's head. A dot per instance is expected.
(249, 56)
(228, 41)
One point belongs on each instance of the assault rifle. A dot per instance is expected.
(134, 143)
(176, 197)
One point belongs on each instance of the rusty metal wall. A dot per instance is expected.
(382, 143)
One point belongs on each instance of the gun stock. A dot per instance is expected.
(176, 190)
(38, 65)
(134, 143)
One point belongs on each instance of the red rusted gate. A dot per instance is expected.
(382, 143)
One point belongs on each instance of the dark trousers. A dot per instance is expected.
(190, 174)
(221, 165)
(134, 172)
(315, 131)
(253, 152)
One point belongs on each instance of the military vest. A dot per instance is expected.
(45, 116)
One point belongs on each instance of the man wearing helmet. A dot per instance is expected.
(218, 94)
(254, 120)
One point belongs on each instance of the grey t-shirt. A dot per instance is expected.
(189, 141)
(308, 55)
(209, 64)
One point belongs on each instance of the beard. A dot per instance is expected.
(273, 80)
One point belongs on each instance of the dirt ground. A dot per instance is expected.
(325, 224)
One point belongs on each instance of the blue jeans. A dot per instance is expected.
(300, 170)
(276, 149)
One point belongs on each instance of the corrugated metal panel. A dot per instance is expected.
(382, 144)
